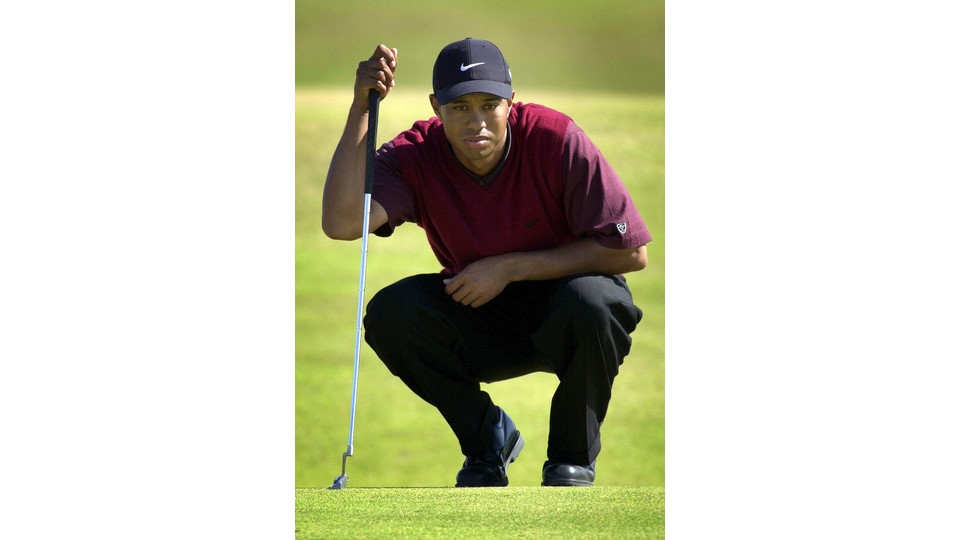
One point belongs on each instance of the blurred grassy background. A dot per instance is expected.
(610, 45)
(601, 63)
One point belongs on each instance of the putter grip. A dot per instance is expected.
(371, 140)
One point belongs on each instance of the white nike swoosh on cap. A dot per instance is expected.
(464, 68)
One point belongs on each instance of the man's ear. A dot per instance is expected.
(436, 105)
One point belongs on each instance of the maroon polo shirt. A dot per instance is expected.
(552, 187)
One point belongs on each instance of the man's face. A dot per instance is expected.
(476, 126)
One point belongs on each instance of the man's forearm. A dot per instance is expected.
(343, 190)
(582, 256)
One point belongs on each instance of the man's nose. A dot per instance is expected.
(477, 120)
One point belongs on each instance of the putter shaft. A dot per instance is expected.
(341, 481)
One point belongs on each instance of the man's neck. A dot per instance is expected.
(490, 172)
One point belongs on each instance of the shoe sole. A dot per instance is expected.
(567, 483)
(514, 451)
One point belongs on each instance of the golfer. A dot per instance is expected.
(534, 231)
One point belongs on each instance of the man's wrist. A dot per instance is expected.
(359, 108)
(516, 266)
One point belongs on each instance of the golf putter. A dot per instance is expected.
(340, 482)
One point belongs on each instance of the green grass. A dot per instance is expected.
(541, 513)
(400, 440)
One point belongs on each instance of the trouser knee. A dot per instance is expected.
(402, 318)
(589, 312)
(589, 302)
(383, 312)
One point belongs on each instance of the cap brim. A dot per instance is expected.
(451, 93)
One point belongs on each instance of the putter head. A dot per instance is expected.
(339, 483)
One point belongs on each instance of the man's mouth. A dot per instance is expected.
(476, 142)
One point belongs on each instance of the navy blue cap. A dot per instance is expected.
(469, 66)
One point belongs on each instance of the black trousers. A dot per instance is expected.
(576, 327)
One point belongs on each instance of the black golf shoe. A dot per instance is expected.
(490, 469)
(566, 474)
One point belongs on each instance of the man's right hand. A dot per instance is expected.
(377, 73)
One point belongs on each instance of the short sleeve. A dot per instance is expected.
(390, 191)
(596, 201)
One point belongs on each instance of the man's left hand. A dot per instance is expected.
(480, 282)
